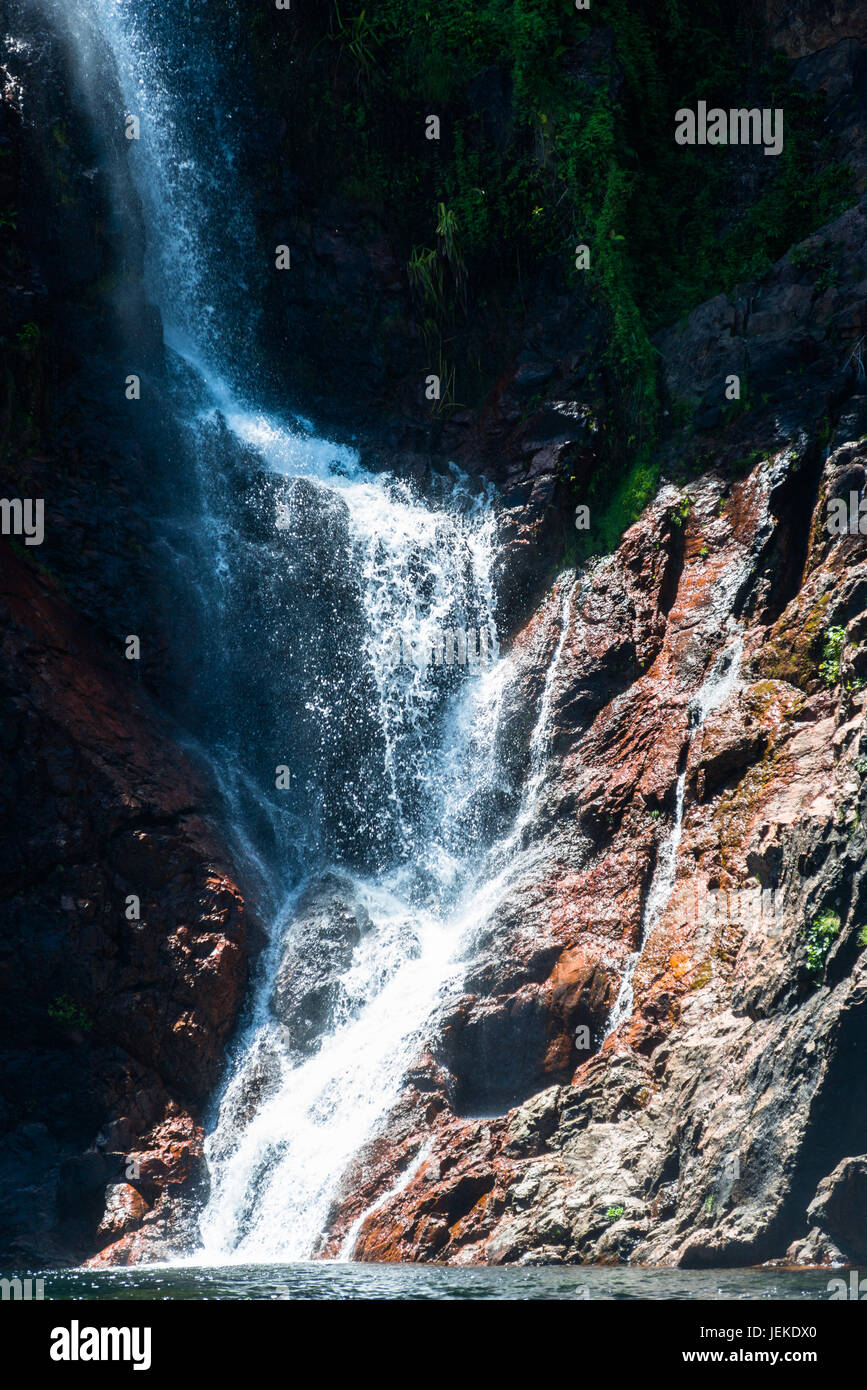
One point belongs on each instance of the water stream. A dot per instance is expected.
(716, 688)
(300, 564)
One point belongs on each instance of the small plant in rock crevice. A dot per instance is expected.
(65, 1011)
(832, 652)
(820, 937)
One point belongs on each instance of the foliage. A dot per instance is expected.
(614, 1213)
(832, 652)
(556, 130)
(820, 936)
(355, 37)
(29, 337)
(64, 1010)
(679, 514)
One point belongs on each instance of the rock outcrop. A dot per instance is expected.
(308, 994)
(703, 1129)
(721, 1120)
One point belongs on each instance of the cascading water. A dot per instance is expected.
(715, 690)
(301, 565)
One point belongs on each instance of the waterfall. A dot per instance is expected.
(716, 688)
(298, 564)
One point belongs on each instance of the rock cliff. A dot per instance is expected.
(689, 861)
(729, 1099)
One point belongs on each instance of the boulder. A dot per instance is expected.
(328, 924)
(839, 1207)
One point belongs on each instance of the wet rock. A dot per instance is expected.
(124, 1208)
(839, 1208)
(701, 1132)
(495, 1050)
(727, 743)
(152, 1000)
(327, 925)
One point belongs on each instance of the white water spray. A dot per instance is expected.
(290, 521)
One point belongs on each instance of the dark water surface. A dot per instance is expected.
(320, 1280)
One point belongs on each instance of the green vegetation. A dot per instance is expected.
(679, 514)
(820, 936)
(614, 1213)
(832, 652)
(64, 1010)
(556, 131)
(29, 336)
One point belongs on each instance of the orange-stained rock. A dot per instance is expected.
(125, 1207)
(687, 1136)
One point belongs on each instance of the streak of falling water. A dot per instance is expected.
(718, 685)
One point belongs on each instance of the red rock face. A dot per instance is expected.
(114, 1029)
(689, 1135)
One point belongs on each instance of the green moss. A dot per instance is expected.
(794, 655)
(737, 806)
(28, 337)
(703, 975)
(629, 500)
